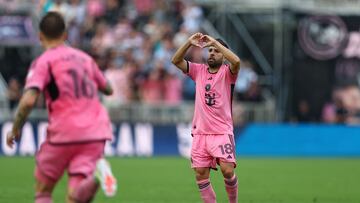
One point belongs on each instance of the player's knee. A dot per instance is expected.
(228, 172)
(201, 174)
(41, 187)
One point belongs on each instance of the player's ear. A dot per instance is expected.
(64, 36)
(41, 36)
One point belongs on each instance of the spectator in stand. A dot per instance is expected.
(143, 9)
(95, 8)
(181, 37)
(347, 102)
(328, 114)
(247, 87)
(164, 52)
(103, 39)
(172, 89)
(113, 10)
(116, 78)
(14, 92)
(58, 6)
(303, 113)
(74, 17)
(152, 89)
(192, 15)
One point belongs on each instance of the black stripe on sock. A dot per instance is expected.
(204, 185)
(231, 182)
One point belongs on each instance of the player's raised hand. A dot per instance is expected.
(11, 137)
(207, 41)
(195, 39)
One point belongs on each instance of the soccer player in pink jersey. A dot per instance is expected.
(78, 124)
(212, 126)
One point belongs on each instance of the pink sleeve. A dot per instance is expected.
(232, 77)
(38, 75)
(193, 69)
(99, 76)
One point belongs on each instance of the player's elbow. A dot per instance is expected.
(29, 103)
(237, 62)
(29, 98)
(175, 61)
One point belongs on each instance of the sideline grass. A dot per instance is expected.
(170, 180)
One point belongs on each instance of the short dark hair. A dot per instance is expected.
(52, 25)
(222, 42)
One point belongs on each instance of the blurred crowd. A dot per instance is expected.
(133, 42)
(343, 107)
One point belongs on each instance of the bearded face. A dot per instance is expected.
(215, 58)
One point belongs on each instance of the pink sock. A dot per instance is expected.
(86, 190)
(206, 191)
(43, 197)
(231, 186)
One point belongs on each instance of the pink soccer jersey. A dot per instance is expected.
(213, 99)
(70, 80)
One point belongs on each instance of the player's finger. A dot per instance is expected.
(206, 45)
(197, 45)
(199, 35)
(10, 142)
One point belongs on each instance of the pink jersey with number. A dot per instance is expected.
(70, 80)
(213, 99)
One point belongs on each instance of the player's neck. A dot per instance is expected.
(213, 69)
(53, 43)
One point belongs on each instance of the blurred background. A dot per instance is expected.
(297, 93)
(300, 59)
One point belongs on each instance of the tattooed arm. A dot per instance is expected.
(26, 104)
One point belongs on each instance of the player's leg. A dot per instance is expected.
(81, 188)
(48, 170)
(84, 170)
(230, 179)
(205, 188)
(43, 192)
(201, 161)
(224, 150)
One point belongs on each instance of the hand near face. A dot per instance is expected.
(207, 41)
(195, 39)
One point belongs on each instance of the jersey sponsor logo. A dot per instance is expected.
(209, 96)
(210, 99)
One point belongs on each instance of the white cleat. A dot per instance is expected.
(105, 177)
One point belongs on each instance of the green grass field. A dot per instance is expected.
(170, 180)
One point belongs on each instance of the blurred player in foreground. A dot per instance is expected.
(212, 126)
(78, 123)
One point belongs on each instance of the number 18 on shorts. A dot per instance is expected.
(207, 150)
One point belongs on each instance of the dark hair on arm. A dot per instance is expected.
(52, 25)
(222, 42)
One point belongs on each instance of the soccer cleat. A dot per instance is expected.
(105, 177)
